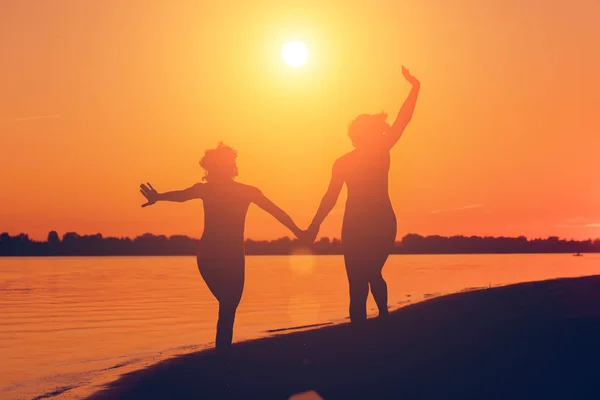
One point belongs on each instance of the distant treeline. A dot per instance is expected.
(73, 244)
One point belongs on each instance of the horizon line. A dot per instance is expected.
(294, 238)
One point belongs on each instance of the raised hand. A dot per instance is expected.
(149, 193)
(411, 79)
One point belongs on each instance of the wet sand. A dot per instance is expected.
(529, 340)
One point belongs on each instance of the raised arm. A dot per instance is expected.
(263, 202)
(406, 111)
(327, 202)
(194, 192)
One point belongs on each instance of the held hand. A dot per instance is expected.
(149, 193)
(309, 235)
(411, 79)
(301, 235)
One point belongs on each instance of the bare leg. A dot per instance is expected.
(359, 290)
(380, 294)
(225, 326)
(226, 282)
(378, 284)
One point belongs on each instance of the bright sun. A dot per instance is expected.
(295, 53)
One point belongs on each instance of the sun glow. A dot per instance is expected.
(295, 53)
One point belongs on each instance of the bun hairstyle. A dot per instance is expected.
(219, 163)
(365, 127)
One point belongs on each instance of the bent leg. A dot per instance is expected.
(380, 293)
(376, 281)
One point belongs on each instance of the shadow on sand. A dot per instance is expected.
(531, 340)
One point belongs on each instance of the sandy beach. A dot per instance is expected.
(530, 340)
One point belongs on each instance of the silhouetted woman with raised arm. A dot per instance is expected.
(369, 225)
(221, 248)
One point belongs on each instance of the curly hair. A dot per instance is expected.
(365, 126)
(219, 163)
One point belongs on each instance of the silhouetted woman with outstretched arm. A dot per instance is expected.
(369, 225)
(221, 249)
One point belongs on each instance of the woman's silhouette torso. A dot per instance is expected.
(221, 249)
(369, 225)
(225, 208)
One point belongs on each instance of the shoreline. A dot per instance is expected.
(539, 338)
(294, 255)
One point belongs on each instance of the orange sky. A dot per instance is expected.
(98, 96)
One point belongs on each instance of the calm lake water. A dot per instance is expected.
(71, 324)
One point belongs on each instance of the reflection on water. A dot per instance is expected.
(303, 309)
(302, 262)
(67, 322)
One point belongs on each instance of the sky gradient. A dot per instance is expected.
(98, 97)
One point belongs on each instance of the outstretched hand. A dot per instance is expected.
(411, 79)
(149, 193)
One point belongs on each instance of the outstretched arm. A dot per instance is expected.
(263, 202)
(327, 203)
(406, 111)
(194, 192)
